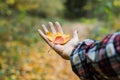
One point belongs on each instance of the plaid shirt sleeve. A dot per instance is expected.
(97, 60)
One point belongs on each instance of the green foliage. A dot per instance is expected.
(34, 7)
(14, 29)
(88, 21)
(74, 8)
(103, 10)
(107, 13)
(104, 28)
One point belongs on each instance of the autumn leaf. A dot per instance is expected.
(58, 38)
(50, 36)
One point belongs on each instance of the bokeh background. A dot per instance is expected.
(24, 55)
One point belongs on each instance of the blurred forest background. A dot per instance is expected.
(24, 55)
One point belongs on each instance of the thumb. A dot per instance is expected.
(75, 39)
(75, 34)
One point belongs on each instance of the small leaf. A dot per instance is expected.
(50, 36)
(58, 38)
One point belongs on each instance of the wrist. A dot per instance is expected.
(67, 52)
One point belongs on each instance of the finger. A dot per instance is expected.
(52, 27)
(75, 34)
(74, 41)
(44, 28)
(58, 27)
(45, 38)
(75, 38)
(42, 34)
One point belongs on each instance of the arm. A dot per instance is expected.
(93, 60)
(90, 59)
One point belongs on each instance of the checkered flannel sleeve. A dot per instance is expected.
(97, 60)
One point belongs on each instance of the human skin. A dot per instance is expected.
(63, 50)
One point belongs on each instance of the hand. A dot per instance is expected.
(63, 50)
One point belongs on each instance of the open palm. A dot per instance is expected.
(63, 50)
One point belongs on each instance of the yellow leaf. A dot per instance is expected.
(50, 36)
(58, 38)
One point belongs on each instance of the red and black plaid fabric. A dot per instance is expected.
(97, 60)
